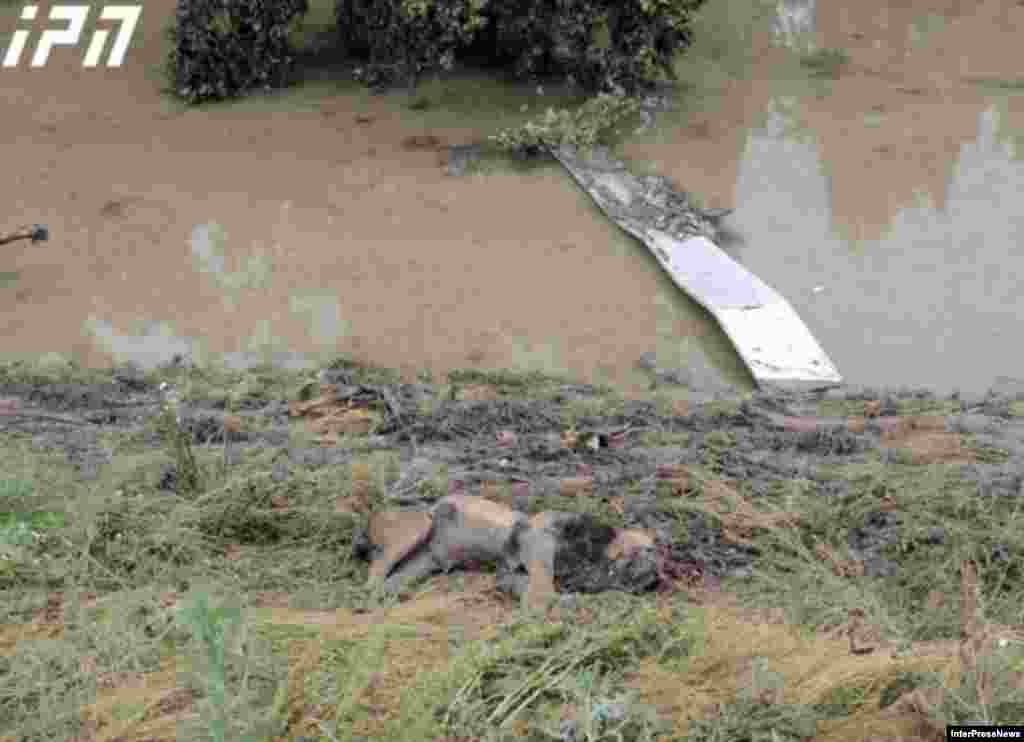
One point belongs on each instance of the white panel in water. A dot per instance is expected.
(768, 334)
(766, 331)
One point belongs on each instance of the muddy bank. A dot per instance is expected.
(847, 512)
(628, 462)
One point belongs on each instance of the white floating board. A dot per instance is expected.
(766, 331)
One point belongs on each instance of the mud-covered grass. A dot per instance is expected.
(936, 520)
(1014, 85)
(906, 406)
(830, 564)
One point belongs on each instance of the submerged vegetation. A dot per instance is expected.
(828, 63)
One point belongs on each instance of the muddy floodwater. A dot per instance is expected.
(874, 189)
(872, 151)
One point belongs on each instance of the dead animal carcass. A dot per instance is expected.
(536, 556)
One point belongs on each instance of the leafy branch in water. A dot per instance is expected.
(582, 128)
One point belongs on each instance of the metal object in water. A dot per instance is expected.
(34, 232)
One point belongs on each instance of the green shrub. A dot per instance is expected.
(404, 38)
(603, 45)
(226, 48)
(599, 44)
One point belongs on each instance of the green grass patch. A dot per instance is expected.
(115, 545)
(825, 63)
(855, 407)
(522, 384)
(749, 721)
(1014, 85)
(938, 520)
(52, 369)
(577, 411)
(535, 670)
(663, 438)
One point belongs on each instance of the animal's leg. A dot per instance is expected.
(537, 552)
(396, 536)
(415, 568)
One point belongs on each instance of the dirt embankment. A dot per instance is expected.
(831, 509)
(625, 455)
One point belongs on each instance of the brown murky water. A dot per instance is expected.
(883, 204)
(298, 226)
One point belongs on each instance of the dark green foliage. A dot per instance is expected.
(226, 48)
(599, 44)
(404, 38)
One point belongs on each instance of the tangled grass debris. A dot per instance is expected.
(181, 552)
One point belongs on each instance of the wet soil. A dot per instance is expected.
(515, 448)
